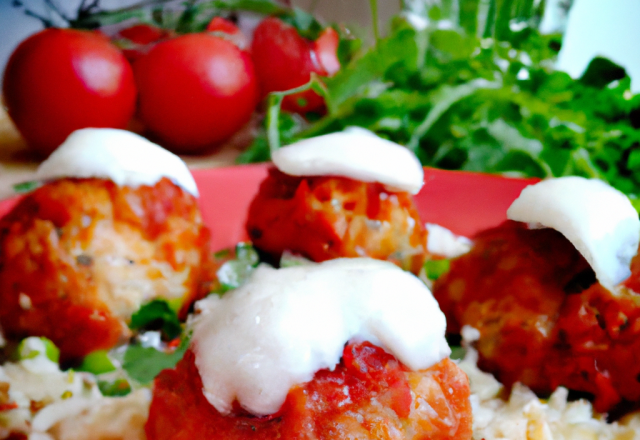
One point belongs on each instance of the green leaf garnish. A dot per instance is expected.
(143, 364)
(157, 314)
(26, 187)
(233, 273)
(457, 353)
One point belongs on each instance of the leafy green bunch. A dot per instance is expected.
(480, 95)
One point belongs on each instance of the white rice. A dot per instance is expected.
(526, 417)
(66, 405)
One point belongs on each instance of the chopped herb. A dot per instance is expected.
(97, 362)
(434, 269)
(290, 260)
(114, 388)
(457, 353)
(157, 314)
(26, 187)
(234, 272)
(143, 364)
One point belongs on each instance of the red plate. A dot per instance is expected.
(461, 201)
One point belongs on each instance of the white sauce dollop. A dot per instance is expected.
(441, 241)
(597, 219)
(119, 155)
(283, 325)
(355, 153)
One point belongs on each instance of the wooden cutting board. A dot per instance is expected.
(18, 164)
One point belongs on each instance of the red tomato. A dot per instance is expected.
(61, 80)
(137, 39)
(219, 24)
(230, 30)
(285, 60)
(196, 90)
(325, 49)
(142, 33)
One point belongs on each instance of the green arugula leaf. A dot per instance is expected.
(601, 71)
(442, 100)
(305, 23)
(398, 50)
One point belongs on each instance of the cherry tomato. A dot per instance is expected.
(219, 24)
(136, 40)
(229, 31)
(61, 80)
(196, 90)
(285, 60)
(142, 33)
(325, 49)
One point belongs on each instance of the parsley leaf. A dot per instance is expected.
(143, 364)
(238, 267)
(157, 314)
(26, 187)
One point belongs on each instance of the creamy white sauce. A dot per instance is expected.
(283, 325)
(355, 153)
(596, 218)
(441, 241)
(118, 155)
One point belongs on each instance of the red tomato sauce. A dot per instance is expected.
(543, 319)
(324, 218)
(368, 395)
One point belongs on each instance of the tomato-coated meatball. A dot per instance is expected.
(79, 256)
(325, 217)
(369, 395)
(543, 318)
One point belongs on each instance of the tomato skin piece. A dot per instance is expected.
(61, 80)
(285, 60)
(196, 91)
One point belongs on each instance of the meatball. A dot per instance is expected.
(543, 319)
(325, 217)
(79, 256)
(369, 395)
